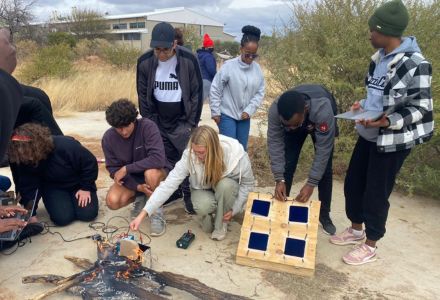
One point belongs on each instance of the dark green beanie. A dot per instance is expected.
(391, 18)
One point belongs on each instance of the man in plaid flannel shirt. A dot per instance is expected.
(399, 85)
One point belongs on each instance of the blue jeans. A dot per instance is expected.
(5, 183)
(238, 130)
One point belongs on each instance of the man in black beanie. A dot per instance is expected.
(399, 85)
(305, 110)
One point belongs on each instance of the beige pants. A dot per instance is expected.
(218, 202)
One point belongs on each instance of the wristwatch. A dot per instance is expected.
(280, 180)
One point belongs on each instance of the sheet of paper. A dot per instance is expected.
(360, 114)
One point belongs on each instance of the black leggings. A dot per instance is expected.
(63, 207)
(369, 182)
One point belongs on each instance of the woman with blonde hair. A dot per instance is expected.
(63, 171)
(220, 176)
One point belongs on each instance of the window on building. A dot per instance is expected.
(136, 25)
(120, 26)
(132, 36)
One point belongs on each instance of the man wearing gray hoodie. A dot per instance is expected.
(399, 85)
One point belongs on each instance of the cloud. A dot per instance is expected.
(264, 14)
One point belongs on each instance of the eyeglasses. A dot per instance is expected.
(289, 128)
(163, 50)
(251, 56)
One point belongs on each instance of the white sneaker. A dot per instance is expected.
(157, 223)
(220, 234)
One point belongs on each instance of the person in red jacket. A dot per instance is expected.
(208, 65)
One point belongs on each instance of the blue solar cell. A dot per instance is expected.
(299, 214)
(258, 241)
(260, 208)
(295, 247)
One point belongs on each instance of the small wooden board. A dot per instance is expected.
(284, 240)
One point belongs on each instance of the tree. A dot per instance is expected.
(191, 37)
(86, 23)
(16, 14)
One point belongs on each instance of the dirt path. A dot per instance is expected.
(407, 268)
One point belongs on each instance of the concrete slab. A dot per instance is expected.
(407, 267)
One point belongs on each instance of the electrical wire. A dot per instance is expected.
(109, 230)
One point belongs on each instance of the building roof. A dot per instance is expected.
(174, 15)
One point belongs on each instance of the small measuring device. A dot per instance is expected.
(185, 240)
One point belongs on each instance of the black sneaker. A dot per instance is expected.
(4, 245)
(31, 229)
(327, 224)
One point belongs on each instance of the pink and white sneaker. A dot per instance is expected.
(346, 238)
(361, 254)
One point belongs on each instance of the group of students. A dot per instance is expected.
(166, 155)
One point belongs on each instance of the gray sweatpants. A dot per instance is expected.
(218, 202)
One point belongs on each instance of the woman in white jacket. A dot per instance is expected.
(238, 89)
(220, 176)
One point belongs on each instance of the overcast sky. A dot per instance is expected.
(264, 14)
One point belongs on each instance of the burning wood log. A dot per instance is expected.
(116, 274)
(66, 283)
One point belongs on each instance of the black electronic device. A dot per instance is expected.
(185, 240)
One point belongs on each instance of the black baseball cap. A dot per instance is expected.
(162, 36)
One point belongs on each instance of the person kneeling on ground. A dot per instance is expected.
(135, 158)
(63, 171)
(220, 176)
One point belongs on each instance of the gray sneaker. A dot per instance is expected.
(220, 234)
(157, 223)
(138, 205)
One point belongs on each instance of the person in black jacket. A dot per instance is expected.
(32, 103)
(63, 171)
(170, 91)
(36, 108)
(11, 95)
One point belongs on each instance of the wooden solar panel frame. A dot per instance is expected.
(277, 225)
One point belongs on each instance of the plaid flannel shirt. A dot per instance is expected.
(407, 102)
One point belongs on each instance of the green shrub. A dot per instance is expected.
(26, 49)
(230, 46)
(51, 61)
(57, 38)
(121, 56)
(87, 47)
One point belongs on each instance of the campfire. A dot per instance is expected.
(114, 276)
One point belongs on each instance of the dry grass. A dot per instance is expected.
(92, 87)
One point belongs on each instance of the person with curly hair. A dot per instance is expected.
(237, 90)
(135, 158)
(63, 171)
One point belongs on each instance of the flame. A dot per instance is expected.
(123, 274)
(91, 277)
(140, 255)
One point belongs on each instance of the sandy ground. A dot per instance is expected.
(407, 267)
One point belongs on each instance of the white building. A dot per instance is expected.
(135, 29)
